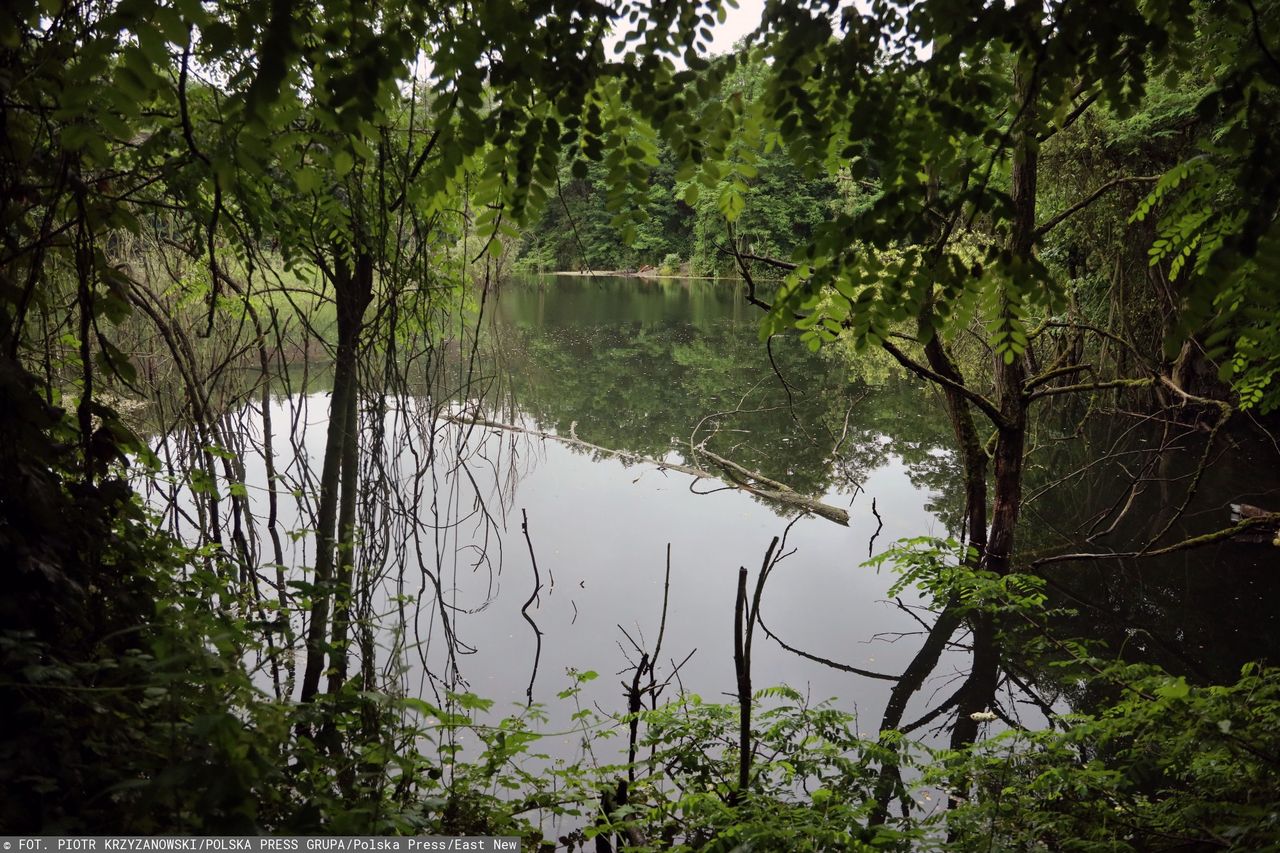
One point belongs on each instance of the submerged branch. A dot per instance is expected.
(1263, 521)
(734, 474)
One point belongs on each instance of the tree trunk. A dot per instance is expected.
(973, 455)
(978, 691)
(352, 292)
(343, 593)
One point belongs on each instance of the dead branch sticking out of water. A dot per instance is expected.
(733, 474)
(524, 611)
(879, 526)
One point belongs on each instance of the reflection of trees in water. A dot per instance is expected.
(1108, 488)
(1200, 612)
(1123, 484)
(430, 500)
(644, 371)
(649, 385)
(651, 371)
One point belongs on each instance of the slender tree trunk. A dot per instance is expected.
(343, 593)
(973, 455)
(973, 458)
(978, 691)
(352, 291)
(889, 780)
(742, 665)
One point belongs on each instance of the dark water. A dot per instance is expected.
(653, 367)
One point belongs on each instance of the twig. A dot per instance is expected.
(533, 596)
(879, 527)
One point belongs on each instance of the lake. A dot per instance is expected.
(628, 368)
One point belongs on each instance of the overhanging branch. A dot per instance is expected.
(1057, 220)
(1264, 521)
(1092, 386)
(987, 407)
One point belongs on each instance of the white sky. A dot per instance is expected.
(737, 23)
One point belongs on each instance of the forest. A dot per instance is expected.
(521, 417)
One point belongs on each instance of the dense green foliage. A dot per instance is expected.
(780, 206)
(1054, 199)
(1168, 765)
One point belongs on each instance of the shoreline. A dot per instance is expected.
(644, 274)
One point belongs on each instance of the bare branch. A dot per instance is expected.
(1054, 373)
(773, 262)
(1194, 542)
(988, 408)
(1057, 220)
(1076, 111)
(423, 156)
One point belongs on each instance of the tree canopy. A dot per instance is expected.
(1018, 203)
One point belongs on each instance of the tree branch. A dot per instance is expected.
(988, 408)
(743, 256)
(1077, 111)
(1186, 544)
(420, 162)
(1054, 373)
(1057, 220)
(1092, 386)
(746, 275)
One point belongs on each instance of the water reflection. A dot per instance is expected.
(658, 369)
(1200, 612)
(655, 366)
(641, 368)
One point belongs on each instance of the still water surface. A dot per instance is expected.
(650, 367)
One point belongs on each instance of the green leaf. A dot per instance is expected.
(1174, 689)
(342, 163)
(306, 179)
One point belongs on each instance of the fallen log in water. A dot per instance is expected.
(734, 475)
(1265, 525)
